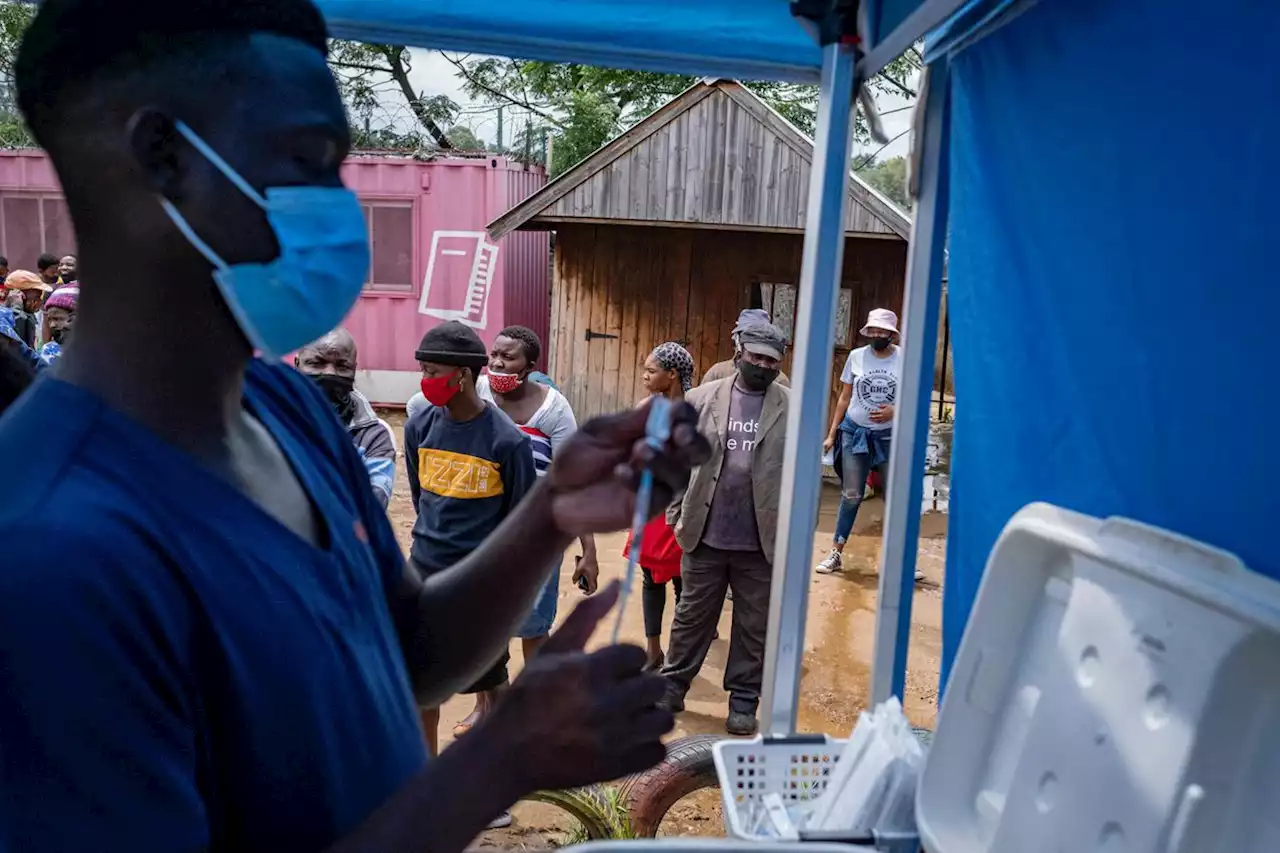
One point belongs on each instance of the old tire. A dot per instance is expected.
(688, 767)
(585, 805)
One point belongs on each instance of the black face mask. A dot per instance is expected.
(755, 377)
(881, 344)
(60, 335)
(338, 389)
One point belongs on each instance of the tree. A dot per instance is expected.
(14, 20)
(369, 75)
(584, 106)
(890, 179)
(463, 139)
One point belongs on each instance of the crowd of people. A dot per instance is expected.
(209, 635)
(38, 310)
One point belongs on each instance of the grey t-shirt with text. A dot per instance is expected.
(731, 522)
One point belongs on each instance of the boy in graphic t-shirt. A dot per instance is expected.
(862, 426)
(468, 467)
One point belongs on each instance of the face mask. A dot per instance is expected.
(755, 377)
(338, 389)
(438, 390)
(59, 335)
(324, 256)
(880, 344)
(504, 383)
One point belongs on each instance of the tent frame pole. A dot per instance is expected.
(820, 275)
(905, 487)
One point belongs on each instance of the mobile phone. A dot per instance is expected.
(582, 579)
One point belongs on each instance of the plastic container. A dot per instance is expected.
(798, 768)
(1116, 690)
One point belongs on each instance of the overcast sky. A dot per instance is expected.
(435, 75)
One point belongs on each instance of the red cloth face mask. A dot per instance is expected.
(504, 383)
(438, 390)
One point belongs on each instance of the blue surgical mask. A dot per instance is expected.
(324, 257)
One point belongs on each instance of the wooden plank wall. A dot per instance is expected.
(716, 163)
(643, 286)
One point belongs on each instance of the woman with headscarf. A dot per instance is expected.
(668, 371)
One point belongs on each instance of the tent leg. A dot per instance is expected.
(810, 389)
(911, 426)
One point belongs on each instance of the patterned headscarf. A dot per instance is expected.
(672, 356)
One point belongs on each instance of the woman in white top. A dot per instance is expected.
(544, 414)
(862, 426)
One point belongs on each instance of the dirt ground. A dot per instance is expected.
(837, 660)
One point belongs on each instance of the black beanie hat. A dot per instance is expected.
(453, 343)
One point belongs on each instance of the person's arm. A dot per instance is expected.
(380, 462)
(519, 473)
(560, 429)
(570, 719)
(842, 405)
(455, 623)
(411, 441)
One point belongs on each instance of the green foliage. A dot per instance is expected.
(14, 20)
(584, 107)
(890, 179)
(374, 82)
(463, 139)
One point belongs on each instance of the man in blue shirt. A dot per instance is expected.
(208, 639)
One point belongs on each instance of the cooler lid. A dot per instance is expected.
(1115, 690)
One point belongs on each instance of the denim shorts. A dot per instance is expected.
(538, 623)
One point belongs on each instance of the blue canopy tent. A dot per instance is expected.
(1107, 286)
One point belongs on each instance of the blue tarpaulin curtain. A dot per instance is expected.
(745, 39)
(1115, 206)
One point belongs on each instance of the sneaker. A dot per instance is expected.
(833, 563)
(919, 576)
(502, 821)
(741, 724)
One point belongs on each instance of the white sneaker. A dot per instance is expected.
(919, 576)
(502, 821)
(833, 563)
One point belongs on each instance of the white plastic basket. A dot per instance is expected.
(797, 767)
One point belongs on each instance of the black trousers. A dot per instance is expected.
(497, 674)
(653, 601)
(708, 574)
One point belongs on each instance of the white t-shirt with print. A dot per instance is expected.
(875, 384)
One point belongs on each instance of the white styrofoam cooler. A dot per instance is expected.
(1117, 689)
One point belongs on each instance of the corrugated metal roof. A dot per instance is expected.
(715, 156)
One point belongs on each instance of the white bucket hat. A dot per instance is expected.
(881, 318)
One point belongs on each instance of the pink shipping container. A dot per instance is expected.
(432, 260)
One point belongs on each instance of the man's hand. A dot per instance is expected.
(594, 476)
(574, 719)
(587, 569)
(882, 415)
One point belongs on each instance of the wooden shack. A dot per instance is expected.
(670, 230)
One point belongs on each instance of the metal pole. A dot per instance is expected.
(946, 346)
(911, 424)
(810, 386)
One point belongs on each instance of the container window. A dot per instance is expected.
(391, 241)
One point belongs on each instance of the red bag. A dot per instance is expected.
(659, 551)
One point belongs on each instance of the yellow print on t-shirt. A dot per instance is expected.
(457, 475)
